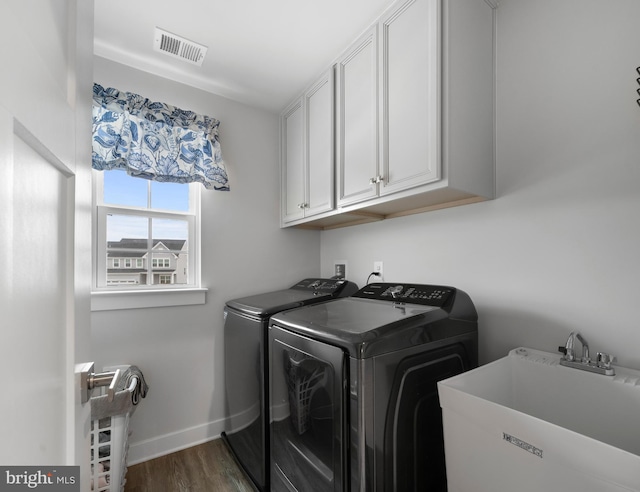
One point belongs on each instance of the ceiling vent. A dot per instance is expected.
(179, 47)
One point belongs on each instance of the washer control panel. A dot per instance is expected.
(429, 295)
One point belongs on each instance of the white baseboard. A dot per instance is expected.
(280, 412)
(175, 441)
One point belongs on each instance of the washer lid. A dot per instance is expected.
(265, 305)
(308, 291)
(366, 327)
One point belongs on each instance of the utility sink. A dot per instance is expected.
(526, 423)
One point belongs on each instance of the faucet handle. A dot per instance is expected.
(567, 353)
(604, 360)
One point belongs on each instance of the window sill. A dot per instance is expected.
(139, 299)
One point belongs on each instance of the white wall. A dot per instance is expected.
(179, 349)
(559, 249)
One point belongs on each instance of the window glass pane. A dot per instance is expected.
(122, 189)
(170, 229)
(170, 196)
(127, 227)
(170, 258)
(127, 241)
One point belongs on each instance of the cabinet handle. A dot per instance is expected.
(302, 205)
(376, 180)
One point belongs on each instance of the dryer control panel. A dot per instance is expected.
(326, 286)
(428, 295)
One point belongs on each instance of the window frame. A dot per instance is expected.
(123, 296)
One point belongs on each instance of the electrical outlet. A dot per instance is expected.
(340, 269)
(377, 267)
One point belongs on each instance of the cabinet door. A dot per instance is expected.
(319, 117)
(410, 88)
(292, 164)
(358, 121)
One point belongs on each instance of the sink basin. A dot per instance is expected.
(526, 423)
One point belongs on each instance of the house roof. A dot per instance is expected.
(138, 247)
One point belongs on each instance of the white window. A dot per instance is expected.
(149, 222)
(161, 263)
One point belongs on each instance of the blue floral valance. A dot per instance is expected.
(155, 141)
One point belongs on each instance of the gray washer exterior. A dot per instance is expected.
(378, 339)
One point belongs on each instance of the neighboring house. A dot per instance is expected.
(128, 262)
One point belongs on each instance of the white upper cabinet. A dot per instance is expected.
(357, 126)
(320, 149)
(292, 162)
(307, 167)
(414, 114)
(409, 96)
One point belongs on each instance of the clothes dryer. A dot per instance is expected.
(246, 366)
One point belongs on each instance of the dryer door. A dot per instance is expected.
(307, 401)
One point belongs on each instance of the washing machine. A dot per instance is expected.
(353, 395)
(246, 366)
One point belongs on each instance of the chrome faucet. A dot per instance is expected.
(569, 350)
(602, 365)
(585, 348)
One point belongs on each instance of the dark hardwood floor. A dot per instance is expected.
(209, 467)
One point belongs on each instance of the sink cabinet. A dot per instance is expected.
(414, 113)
